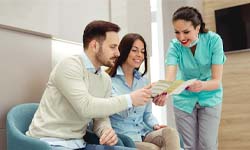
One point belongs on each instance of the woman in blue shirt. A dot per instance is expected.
(137, 122)
(196, 53)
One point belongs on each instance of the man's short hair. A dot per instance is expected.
(97, 30)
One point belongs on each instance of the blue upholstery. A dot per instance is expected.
(18, 121)
(181, 141)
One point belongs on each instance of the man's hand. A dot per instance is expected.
(157, 126)
(108, 137)
(141, 96)
(160, 100)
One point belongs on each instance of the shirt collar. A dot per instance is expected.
(120, 72)
(89, 66)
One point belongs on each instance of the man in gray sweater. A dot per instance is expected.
(78, 91)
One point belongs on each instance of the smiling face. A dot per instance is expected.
(136, 54)
(185, 32)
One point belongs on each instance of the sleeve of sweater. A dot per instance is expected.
(68, 78)
(102, 123)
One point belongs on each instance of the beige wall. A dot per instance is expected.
(25, 64)
(209, 6)
(233, 133)
(235, 120)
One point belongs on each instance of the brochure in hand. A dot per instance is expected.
(171, 88)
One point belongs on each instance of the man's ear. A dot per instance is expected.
(94, 45)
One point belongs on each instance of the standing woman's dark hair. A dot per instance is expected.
(125, 48)
(190, 14)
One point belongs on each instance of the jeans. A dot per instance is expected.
(95, 147)
(124, 143)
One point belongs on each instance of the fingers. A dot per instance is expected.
(149, 86)
(196, 86)
(147, 94)
(105, 136)
(160, 100)
(152, 84)
(109, 137)
(156, 99)
(157, 126)
(163, 126)
(112, 140)
(141, 97)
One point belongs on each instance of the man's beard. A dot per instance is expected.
(104, 61)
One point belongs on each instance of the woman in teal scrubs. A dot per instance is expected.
(196, 53)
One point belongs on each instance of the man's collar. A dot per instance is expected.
(89, 65)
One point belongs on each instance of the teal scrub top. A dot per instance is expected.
(209, 51)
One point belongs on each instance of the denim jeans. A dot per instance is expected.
(95, 147)
(124, 143)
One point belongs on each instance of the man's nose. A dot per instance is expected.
(117, 52)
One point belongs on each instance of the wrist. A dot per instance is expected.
(203, 85)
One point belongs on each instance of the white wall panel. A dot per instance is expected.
(64, 19)
(133, 16)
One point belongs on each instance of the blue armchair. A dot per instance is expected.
(18, 121)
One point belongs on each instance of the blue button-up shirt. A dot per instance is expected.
(209, 51)
(136, 121)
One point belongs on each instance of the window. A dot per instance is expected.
(157, 67)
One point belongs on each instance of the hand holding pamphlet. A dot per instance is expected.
(170, 88)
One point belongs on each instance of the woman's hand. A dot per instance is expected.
(161, 99)
(157, 126)
(197, 86)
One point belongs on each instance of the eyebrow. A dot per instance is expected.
(137, 47)
(182, 30)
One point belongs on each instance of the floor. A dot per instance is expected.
(234, 131)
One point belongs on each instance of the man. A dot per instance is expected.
(78, 91)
